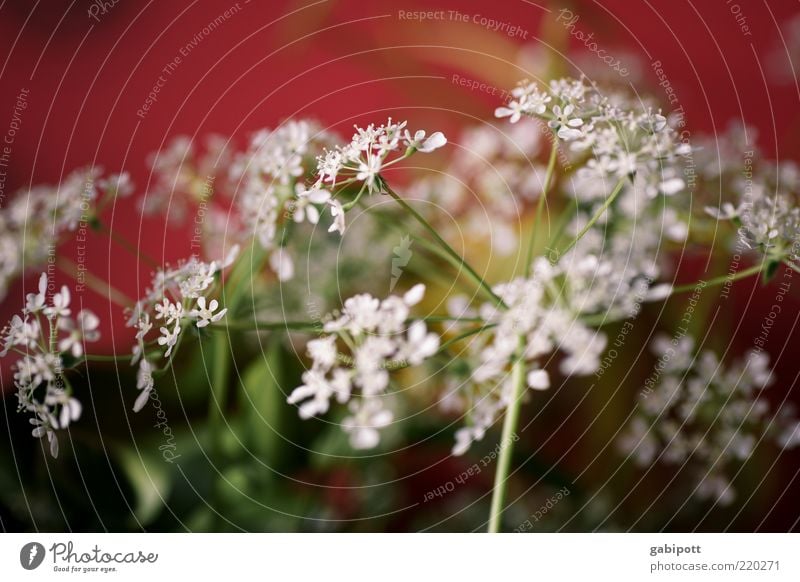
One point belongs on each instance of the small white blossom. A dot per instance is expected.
(205, 315)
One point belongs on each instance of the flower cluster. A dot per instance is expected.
(765, 204)
(176, 295)
(270, 185)
(530, 326)
(37, 220)
(43, 336)
(699, 413)
(362, 160)
(616, 137)
(185, 176)
(379, 338)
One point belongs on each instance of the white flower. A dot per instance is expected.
(565, 123)
(60, 304)
(144, 383)
(85, 329)
(44, 426)
(169, 338)
(528, 100)
(538, 380)
(420, 345)
(514, 111)
(169, 311)
(337, 212)
(304, 205)
(419, 143)
(70, 407)
(726, 212)
(369, 170)
(315, 394)
(35, 302)
(280, 261)
(20, 333)
(368, 152)
(205, 315)
(368, 416)
(323, 352)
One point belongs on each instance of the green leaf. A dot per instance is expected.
(150, 476)
(769, 271)
(264, 403)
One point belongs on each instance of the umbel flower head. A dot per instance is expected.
(370, 151)
(380, 338)
(43, 336)
(36, 220)
(698, 413)
(530, 327)
(616, 135)
(176, 296)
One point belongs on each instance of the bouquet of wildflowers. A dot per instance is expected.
(583, 189)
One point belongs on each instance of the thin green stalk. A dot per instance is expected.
(609, 201)
(315, 326)
(134, 250)
(722, 279)
(452, 256)
(102, 288)
(433, 273)
(219, 384)
(399, 365)
(507, 445)
(548, 177)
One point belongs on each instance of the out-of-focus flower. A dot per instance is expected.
(694, 411)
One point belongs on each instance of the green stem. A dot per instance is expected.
(102, 288)
(609, 201)
(315, 326)
(551, 164)
(452, 256)
(722, 279)
(219, 384)
(433, 271)
(129, 246)
(507, 444)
